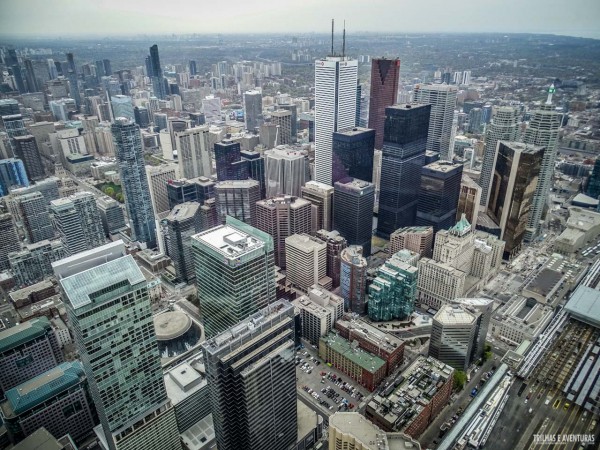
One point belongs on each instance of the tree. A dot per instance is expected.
(109, 191)
(460, 378)
(119, 197)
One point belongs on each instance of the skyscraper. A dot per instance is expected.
(335, 107)
(514, 182)
(78, 222)
(14, 126)
(253, 110)
(285, 171)
(281, 217)
(158, 179)
(335, 245)
(182, 223)
(353, 202)
(121, 361)
(9, 240)
(26, 150)
(403, 156)
(321, 197)
(542, 131)
(415, 239)
(193, 67)
(453, 335)
(442, 99)
(438, 195)
(294, 120)
(385, 75)
(283, 120)
(128, 150)
(12, 175)
(235, 273)
(256, 169)
(504, 127)
(32, 264)
(193, 152)
(229, 161)
(593, 187)
(33, 209)
(252, 381)
(111, 214)
(122, 106)
(468, 200)
(306, 262)
(237, 198)
(156, 73)
(353, 151)
(353, 279)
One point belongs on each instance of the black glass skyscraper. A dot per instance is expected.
(438, 195)
(403, 156)
(193, 67)
(230, 166)
(155, 73)
(353, 152)
(256, 169)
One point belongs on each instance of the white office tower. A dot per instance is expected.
(503, 127)
(158, 177)
(285, 171)
(193, 152)
(306, 261)
(106, 296)
(335, 107)
(442, 99)
(543, 131)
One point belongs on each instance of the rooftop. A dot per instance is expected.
(25, 332)
(201, 435)
(413, 230)
(305, 303)
(354, 131)
(80, 287)
(407, 106)
(171, 324)
(443, 166)
(584, 305)
(354, 184)
(183, 211)
(41, 388)
(231, 184)
(305, 242)
(353, 255)
(229, 241)
(185, 379)
(544, 282)
(366, 360)
(24, 293)
(354, 424)
(317, 186)
(39, 440)
(370, 333)
(454, 315)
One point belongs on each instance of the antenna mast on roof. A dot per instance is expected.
(331, 37)
(344, 40)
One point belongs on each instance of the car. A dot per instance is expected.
(566, 406)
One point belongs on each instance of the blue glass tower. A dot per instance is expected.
(12, 174)
(128, 150)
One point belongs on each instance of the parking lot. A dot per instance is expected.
(329, 389)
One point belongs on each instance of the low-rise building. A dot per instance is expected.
(520, 319)
(414, 399)
(319, 310)
(583, 225)
(384, 345)
(365, 368)
(32, 294)
(554, 279)
(416, 239)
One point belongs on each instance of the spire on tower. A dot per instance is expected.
(344, 40)
(332, 37)
(550, 92)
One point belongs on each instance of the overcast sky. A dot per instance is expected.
(30, 18)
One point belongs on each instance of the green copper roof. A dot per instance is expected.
(462, 226)
(366, 360)
(79, 288)
(43, 387)
(25, 332)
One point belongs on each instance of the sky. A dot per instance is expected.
(68, 18)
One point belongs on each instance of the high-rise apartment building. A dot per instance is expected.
(182, 223)
(453, 335)
(353, 202)
(34, 263)
(78, 222)
(9, 240)
(283, 120)
(26, 150)
(285, 171)
(26, 351)
(237, 198)
(193, 152)
(122, 106)
(335, 107)
(128, 151)
(402, 158)
(442, 99)
(121, 361)
(33, 208)
(335, 244)
(252, 381)
(512, 192)
(353, 151)
(253, 110)
(235, 273)
(543, 132)
(306, 262)
(503, 127)
(321, 197)
(113, 219)
(438, 195)
(415, 239)
(282, 217)
(385, 76)
(393, 293)
(469, 200)
(12, 175)
(158, 179)
(353, 279)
